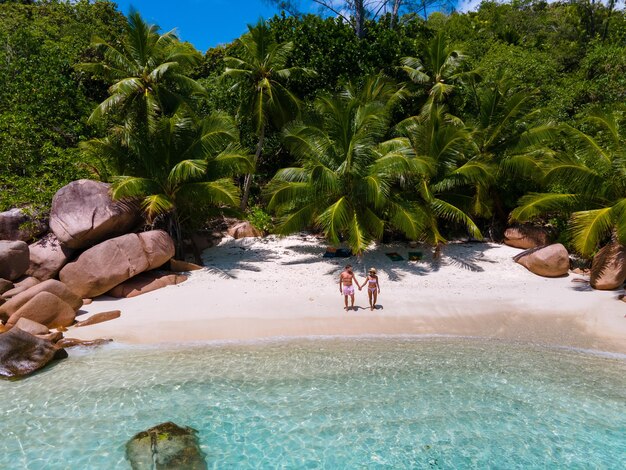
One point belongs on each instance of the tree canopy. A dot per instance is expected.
(386, 117)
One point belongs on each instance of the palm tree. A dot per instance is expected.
(446, 191)
(259, 73)
(147, 72)
(589, 179)
(185, 165)
(509, 139)
(345, 182)
(438, 70)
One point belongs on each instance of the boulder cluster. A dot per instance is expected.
(608, 269)
(92, 248)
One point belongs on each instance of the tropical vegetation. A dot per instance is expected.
(385, 125)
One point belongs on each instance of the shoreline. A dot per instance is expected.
(258, 289)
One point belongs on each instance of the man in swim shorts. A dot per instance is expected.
(345, 285)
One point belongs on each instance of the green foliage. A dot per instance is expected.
(260, 219)
(528, 68)
(344, 184)
(260, 75)
(593, 168)
(44, 102)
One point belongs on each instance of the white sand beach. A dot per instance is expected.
(284, 287)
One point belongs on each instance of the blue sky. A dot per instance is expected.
(204, 23)
(207, 23)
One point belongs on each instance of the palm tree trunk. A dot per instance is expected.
(175, 231)
(248, 180)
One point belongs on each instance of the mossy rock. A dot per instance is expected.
(166, 447)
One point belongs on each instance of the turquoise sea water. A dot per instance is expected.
(366, 403)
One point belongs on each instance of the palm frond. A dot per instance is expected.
(575, 176)
(287, 194)
(357, 236)
(449, 212)
(297, 220)
(232, 161)
(335, 219)
(406, 217)
(185, 171)
(156, 205)
(536, 204)
(618, 212)
(217, 193)
(414, 69)
(589, 228)
(132, 187)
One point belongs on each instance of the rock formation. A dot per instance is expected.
(165, 447)
(52, 286)
(549, 261)
(99, 318)
(16, 224)
(114, 261)
(47, 257)
(145, 282)
(183, 266)
(5, 286)
(608, 270)
(20, 286)
(526, 236)
(244, 229)
(22, 353)
(14, 259)
(32, 327)
(84, 214)
(45, 308)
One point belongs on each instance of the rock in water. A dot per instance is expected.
(112, 262)
(84, 214)
(74, 342)
(165, 447)
(22, 353)
(549, 261)
(526, 236)
(14, 259)
(47, 257)
(608, 270)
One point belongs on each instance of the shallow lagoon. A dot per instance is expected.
(327, 403)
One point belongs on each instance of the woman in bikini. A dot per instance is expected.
(373, 287)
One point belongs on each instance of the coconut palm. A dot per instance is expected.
(185, 165)
(260, 73)
(446, 191)
(509, 139)
(591, 180)
(440, 67)
(147, 72)
(347, 174)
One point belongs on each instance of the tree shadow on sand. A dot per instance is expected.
(468, 256)
(250, 254)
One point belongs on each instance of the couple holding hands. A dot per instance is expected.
(347, 289)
